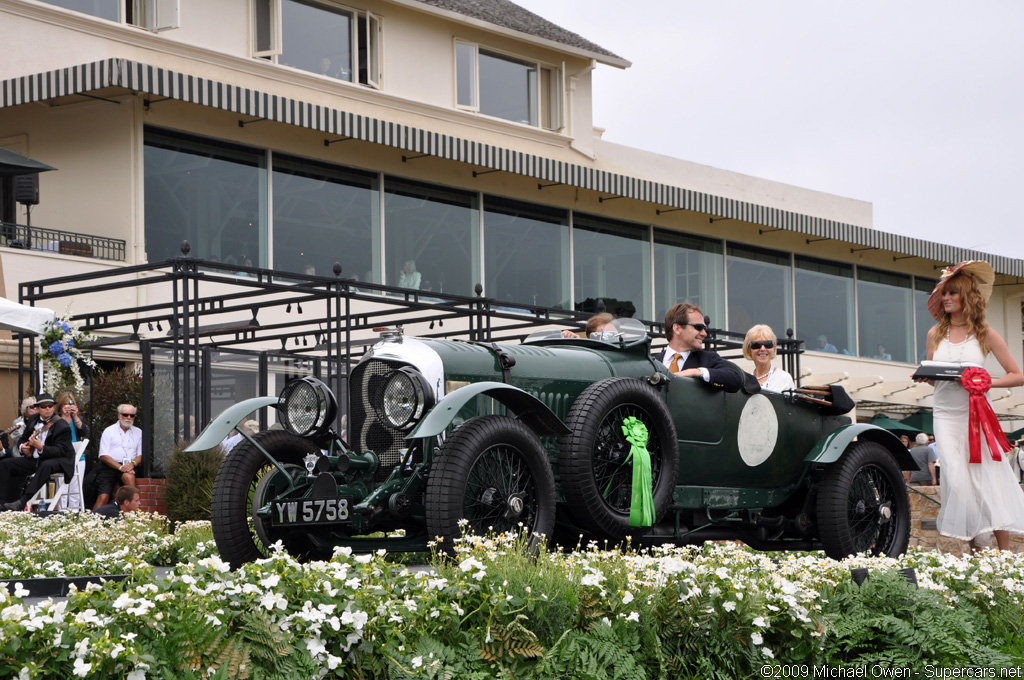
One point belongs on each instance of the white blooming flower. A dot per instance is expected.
(417, 661)
(633, 616)
(363, 559)
(271, 581)
(82, 668)
(756, 638)
(759, 621)
(137, 674)
(356, 619)
(627, 597)
(729, 606)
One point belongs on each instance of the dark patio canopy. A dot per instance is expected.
(15, 164)
(895, 426)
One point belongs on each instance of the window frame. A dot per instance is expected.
(550, 99)
(372, 35)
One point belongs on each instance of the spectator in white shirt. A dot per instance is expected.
(120, 453)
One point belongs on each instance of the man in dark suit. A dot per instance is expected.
(47, 450)
(126, 499)
(685, 355)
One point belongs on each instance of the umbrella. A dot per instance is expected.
(886, 423)
(1015, 435)
(15, 164)
(24, 319)
(921, 420)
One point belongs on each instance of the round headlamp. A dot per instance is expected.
(307, 407)
(405, 397)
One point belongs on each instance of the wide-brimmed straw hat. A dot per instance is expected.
(983, 275)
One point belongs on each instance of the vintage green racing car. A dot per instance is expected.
(561, 437)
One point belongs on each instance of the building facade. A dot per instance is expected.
(431, 145)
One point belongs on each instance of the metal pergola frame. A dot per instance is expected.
(334, 319)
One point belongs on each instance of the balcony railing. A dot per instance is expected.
(58, 241)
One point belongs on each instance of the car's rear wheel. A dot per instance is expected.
(245, 481)
(863, 505)
(593, 469)
(493, 472)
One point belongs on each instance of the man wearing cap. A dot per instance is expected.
(46, 449)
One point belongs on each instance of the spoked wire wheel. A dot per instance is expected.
(492, 471)
(595, 465)
(863, 504)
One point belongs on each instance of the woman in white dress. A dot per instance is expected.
(977, 498)
(759, 347)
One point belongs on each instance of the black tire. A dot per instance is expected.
(596, 483)
(241, 536)
(493, 472)
(863, 505)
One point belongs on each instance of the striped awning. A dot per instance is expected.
(161, 82)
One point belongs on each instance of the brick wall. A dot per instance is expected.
(152, 492)
(924, 508)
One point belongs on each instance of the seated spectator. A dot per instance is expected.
(120, 452)
(825, 346)
(127, 499)
(231, 441)
(10, 436)
(45, 448)
(595, 324)
(882, 354)
(409, 277)
(251, 427)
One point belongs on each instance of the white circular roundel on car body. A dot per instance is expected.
(758, 430)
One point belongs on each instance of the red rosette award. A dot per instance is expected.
(981, 417)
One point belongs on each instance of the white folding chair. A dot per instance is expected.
(70, 492)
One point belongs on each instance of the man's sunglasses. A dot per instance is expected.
(758, 344)
(699, 327)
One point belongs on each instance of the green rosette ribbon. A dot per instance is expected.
(641, 508)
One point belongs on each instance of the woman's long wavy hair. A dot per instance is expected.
(974, 309)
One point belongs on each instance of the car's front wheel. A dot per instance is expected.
(493, 472)
(243, 484)
(863, 505)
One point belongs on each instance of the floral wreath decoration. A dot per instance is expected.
(61, 355)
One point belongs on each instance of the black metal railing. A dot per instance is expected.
(58, 241)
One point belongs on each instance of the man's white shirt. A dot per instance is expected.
(670, 354)
(121, 445)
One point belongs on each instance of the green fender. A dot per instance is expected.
(829, 449)
(527, 408)
(221, 426)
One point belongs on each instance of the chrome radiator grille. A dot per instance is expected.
(370, 430)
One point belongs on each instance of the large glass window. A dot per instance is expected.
(212, 193)
(611, 265)
(154, 15)
(825, 305)
(325, 214)
(885, 315)
(431, 237)
(760, 289)
(689, 269)
(922, 317)
(526, 253)
(508, 87)
(319, 38)
(104, 9)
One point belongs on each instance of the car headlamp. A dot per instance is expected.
(307, 407)
(406, 396)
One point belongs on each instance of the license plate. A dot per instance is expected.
(304, 511)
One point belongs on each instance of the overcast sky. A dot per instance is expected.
(914, 106)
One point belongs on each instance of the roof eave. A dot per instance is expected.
(599, 57)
